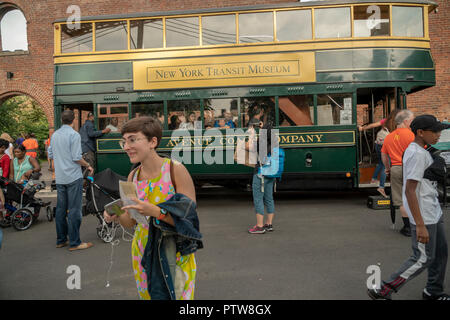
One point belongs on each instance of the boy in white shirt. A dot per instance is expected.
(420, 199)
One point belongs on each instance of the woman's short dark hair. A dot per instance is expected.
(67, 117)
(20, 147)
(149, 126)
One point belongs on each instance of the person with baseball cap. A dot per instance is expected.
(420, 200)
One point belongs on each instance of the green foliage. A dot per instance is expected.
(21, 115)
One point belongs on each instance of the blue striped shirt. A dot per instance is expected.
(65, 149)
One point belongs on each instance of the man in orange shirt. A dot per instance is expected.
(31, 145)
(394, 146)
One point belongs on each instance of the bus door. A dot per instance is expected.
(81, 111)
(373, 106)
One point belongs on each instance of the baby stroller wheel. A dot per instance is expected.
(49, 212)
(22, 219)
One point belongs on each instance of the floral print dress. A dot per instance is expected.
(156, 191)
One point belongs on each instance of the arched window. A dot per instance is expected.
(13, 27)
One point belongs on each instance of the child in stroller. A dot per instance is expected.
(22, 208)
(100, 190)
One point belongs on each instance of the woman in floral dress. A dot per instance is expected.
(154, 183)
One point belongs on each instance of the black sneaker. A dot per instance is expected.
(268, 227)
(375, 295)
(443, 297)
(406, 231)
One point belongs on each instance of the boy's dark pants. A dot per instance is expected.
(431, 256)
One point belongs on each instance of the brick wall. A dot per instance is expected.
(33, 71)
(435, 100)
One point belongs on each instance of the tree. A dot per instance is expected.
(21, 115)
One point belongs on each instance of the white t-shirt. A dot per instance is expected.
(415, 160)
(10, 147)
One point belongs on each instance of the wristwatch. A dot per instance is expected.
(162, 214)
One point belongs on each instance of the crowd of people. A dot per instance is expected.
(18, 161)
(166, 196)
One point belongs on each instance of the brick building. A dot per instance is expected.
(33, 69)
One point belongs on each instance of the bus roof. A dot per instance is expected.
(245, 8)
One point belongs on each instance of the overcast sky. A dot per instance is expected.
(13, 29)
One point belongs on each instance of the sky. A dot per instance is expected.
(13, 31)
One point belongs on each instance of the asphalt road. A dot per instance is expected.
(321, 248)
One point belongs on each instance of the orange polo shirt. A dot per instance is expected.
(395, 144)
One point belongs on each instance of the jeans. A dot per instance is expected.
(263, 198)
(380, 167)
(68, 212)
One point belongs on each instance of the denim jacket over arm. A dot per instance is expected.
(164, 241)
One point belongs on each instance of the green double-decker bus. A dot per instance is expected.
(313, 69)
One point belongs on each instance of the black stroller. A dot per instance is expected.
(100, 190)
(22, 208)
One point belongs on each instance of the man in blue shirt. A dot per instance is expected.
(88, 135)
(65, 150)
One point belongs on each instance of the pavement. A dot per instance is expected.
(321, 248)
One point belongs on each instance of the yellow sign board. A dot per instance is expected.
(221, 71)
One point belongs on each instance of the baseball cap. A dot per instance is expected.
(427, 122)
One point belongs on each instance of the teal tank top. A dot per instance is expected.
(20, 169)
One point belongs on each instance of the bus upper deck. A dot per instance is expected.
(314, 69)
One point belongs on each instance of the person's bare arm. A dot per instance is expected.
(413, 203)
(370, 126)
(84, 163)
(35, 164)
(386, 162)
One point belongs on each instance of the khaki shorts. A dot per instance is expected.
(397, 185)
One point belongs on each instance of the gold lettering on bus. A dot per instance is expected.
(230, 140)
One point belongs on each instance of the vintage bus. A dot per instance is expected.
(315, 70)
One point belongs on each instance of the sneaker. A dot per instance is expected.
(406, 231)
(427, 296)
(268, 227)
(256, 230)
(375, 295)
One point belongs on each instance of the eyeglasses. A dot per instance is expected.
(130, 141)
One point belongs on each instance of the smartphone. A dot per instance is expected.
(115, 208)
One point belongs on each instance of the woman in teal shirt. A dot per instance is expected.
(22, 165)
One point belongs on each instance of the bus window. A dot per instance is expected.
(145, 34)
(332, 23)
(294, 25)
(260, 109)
(182, 32)
(219, 29)
(111, 36)
(407, 21)
(334, 109)
(151, 109)
(76, 39)
(256, 27)
(221, 113)
(112, 116)
(184, 114)
(296, 110)
(370, 21)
